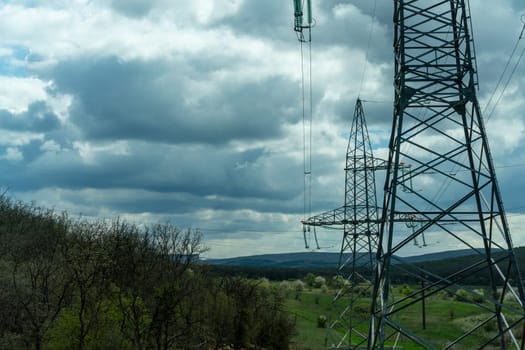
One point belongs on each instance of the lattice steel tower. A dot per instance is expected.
(438, 128)
(358, 218)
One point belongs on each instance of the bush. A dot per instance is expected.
(322, 321)
(361, 311)
(363, 290)
(310, 279)
(319, 281)
(338, 281)
(477, 296)
(285, 285)
(299, 286)
(264, 282)
(406, 290)
(461, 295)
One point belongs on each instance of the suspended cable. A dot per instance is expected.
(310, 130)
(308, 172)
(307, 150)
(446, 184)
(370, 32)
(307, 116)
(503, 75)
(506, 84)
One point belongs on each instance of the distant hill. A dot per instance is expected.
(317, 260)
(305, 260)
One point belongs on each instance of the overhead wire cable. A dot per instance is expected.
(445, 185)
(307, 127)
(370, 32)
(307, 137)
(506, 84)
(307, 121)
(503, 75)
(306, 193)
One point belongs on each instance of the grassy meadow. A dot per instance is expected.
(446, 318)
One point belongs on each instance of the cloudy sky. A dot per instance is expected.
(191, 111)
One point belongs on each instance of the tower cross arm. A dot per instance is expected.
(337, 217)
(328, 218)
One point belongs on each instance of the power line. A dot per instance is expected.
(511, 56)
(370, 32)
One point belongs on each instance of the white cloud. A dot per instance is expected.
(13, 154)
(15, 138)
(89, 152)
(50, 146)
(210, 11)
(17, 93)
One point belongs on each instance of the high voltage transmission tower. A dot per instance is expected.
(438, 128)
(448, 199)
(358, 218)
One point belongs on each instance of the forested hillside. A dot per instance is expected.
(80, 284)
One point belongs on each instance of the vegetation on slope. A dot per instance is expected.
(79, 284)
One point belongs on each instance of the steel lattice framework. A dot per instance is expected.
(358, 218)
(438, 128)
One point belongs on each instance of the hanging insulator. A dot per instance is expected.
(298, 13)
(316, 241)
(305, 240)
(309, 14)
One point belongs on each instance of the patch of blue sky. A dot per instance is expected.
(13, 63)
(25, 3)
(345, 134)
(379, 137)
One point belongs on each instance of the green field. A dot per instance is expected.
(446, 319)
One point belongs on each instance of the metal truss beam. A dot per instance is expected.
(438, 128)
(359, 222)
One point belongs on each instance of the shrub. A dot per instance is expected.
(285, 285)
(319, 281)
(361, 311)
(406, 290)
(310, 279)
(461, 295)
(363, 290)
(477, 296)
(264, 282)
(338, 281)
(299, 286)
(322, 321)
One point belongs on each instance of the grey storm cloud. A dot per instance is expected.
(147, 101)
(184, 203)
(202, 171)
(266, 19)
(339, 30)
(39, 117)
(133, 8)
(377, 112)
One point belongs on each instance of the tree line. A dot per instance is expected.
(92, 284)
